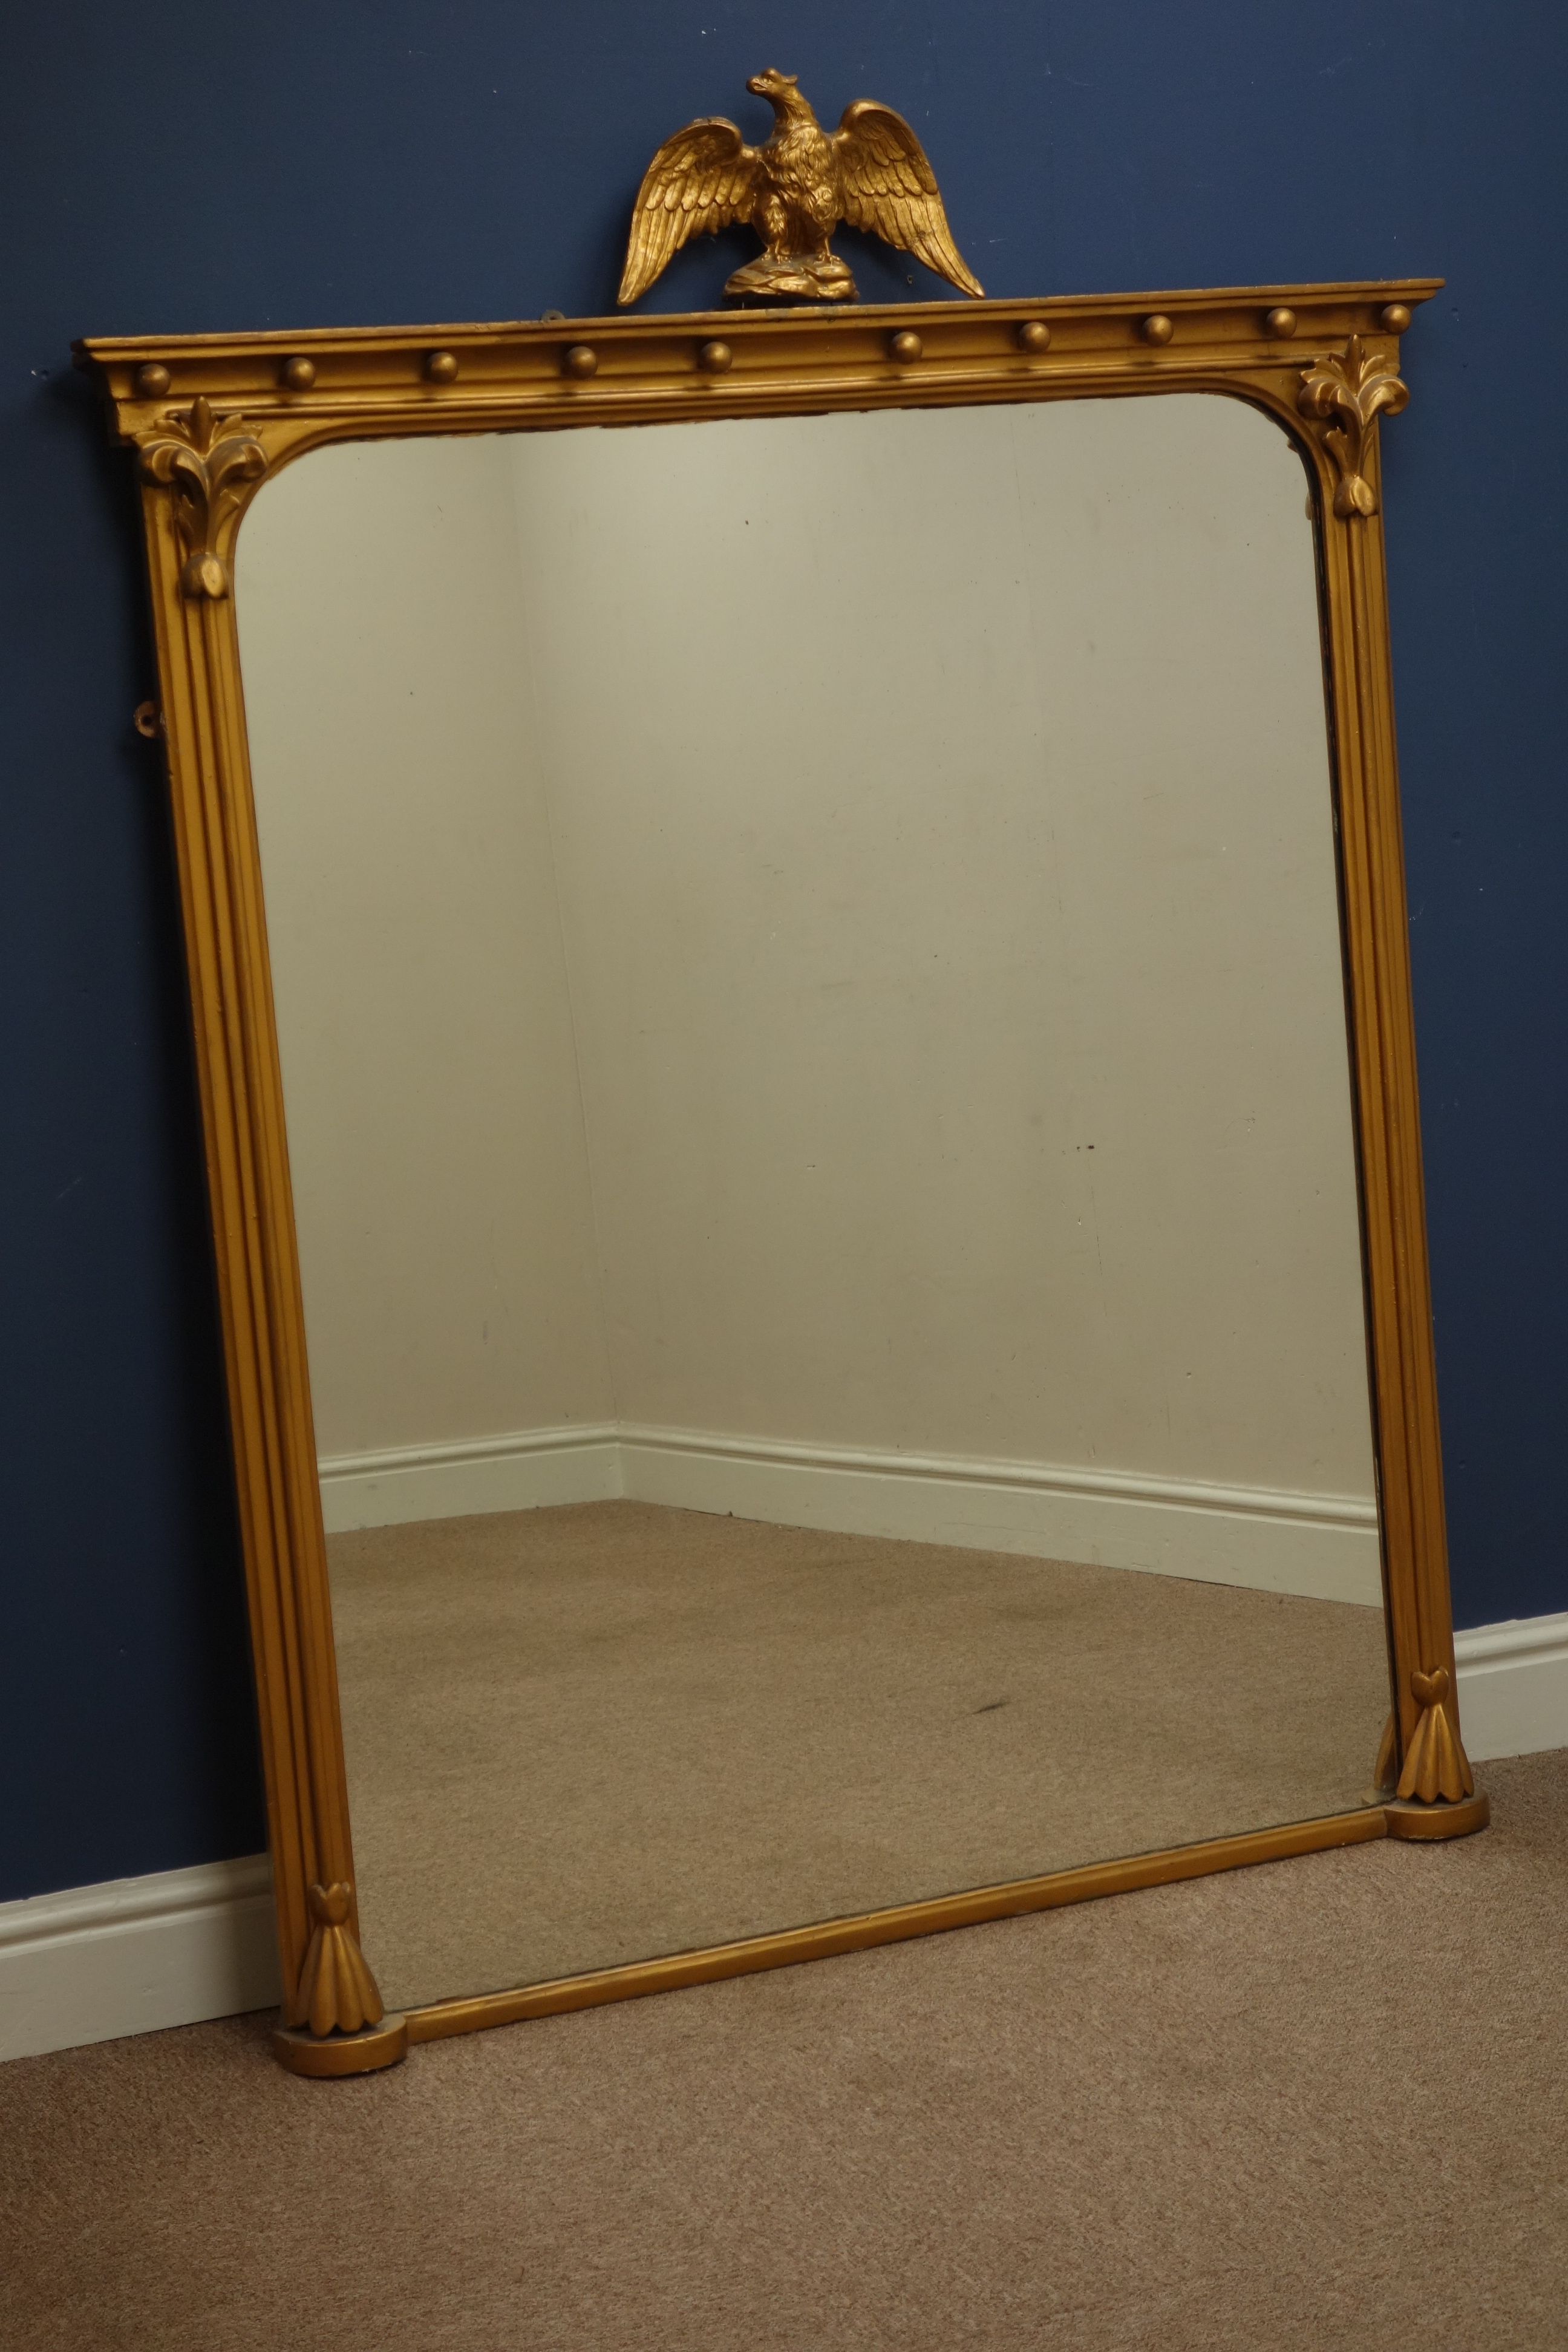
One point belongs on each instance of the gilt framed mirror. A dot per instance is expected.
(797, 950)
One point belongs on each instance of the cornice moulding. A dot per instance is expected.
(449, 376)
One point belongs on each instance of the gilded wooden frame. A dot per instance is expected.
(212, 416)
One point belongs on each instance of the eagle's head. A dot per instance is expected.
(777, 88)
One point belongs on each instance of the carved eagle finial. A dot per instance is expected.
(794, 191)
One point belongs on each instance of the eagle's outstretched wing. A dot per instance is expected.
(702, 179)
(890, 188)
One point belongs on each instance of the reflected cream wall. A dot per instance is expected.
(430, 1081)
(942, 823)
(904, 839)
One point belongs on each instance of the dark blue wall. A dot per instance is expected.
(356, 161)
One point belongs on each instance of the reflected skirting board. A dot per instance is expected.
(1322, 1547)
(902, 1922)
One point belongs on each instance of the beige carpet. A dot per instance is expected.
(1321, 2103)
(593, 1734)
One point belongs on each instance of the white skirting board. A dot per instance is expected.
(1513, 1687)
(135, 1954)
(140, 1954)
(1323, 1546)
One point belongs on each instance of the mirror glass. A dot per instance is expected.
(808, 970)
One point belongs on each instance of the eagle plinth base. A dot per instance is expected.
(795, 277)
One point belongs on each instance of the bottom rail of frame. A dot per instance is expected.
(902, 1921)
(341, 2054)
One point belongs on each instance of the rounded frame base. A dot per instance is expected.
(331, 2055)
(1439, 1820)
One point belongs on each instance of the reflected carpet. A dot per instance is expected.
(601, 1732)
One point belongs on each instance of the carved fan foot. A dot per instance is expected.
(796, 277)
(1436, 1765)
(1436, 1794)
(335, 2024)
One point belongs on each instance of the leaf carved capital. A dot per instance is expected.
(1348, 395)
(207, 461)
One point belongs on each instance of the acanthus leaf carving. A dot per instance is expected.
(1351, 393)
(206, 460)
